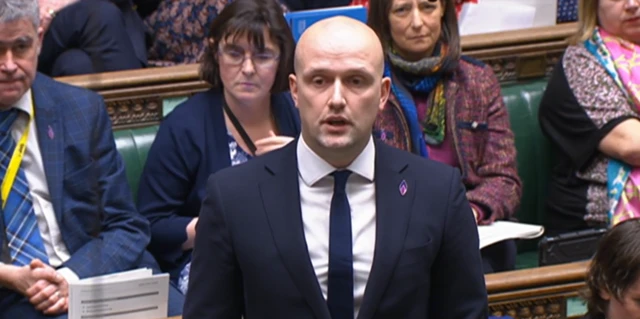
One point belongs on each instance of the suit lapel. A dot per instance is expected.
(281, 199)
(393, 210)
(51, 142)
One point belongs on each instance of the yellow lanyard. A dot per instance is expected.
(14, 164)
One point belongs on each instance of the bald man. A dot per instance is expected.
(335, 224)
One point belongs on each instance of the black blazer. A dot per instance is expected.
(251, 256)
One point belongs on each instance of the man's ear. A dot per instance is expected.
(293, 87)
(604, 294)
(385, 89)
(40, 37)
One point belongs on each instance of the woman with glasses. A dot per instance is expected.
(247, 112)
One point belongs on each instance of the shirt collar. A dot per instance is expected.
(24, 103)
(315, 168)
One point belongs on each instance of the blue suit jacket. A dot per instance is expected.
(87, 184)
(191, 144)
(251, 256)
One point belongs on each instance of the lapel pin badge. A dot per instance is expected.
(403, 187)
(50, 133)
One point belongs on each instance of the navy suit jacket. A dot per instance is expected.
(251, 256)
(87, 184)
(191, 144)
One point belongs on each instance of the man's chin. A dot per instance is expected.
(8, 99)
(336, 142)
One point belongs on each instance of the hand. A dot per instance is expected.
(16, 278)
(48, 295)
(48, 10)
(271, 143)
(191, 235)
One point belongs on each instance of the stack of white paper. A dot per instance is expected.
(126, 295)
(504, 230)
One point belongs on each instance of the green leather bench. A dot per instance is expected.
(522, 100)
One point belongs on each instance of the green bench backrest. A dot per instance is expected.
(522, 100)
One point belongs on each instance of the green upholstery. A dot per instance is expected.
(522, 101)
(134, 145)
(534, 157)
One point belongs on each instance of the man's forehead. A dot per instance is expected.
(21, 29)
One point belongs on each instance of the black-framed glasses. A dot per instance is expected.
(235, 56)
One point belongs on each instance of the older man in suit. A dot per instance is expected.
(337, 225)
(67, 211)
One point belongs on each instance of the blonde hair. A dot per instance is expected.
(587, 20)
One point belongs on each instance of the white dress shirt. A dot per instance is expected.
(316, 191)
(33, 167)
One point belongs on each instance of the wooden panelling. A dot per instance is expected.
(134, 98)
(535, 293)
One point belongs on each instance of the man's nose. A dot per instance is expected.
(337, 98)
(8, 63)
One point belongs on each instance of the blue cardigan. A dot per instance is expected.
(191, 144)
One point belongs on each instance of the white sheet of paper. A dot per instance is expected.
(126, 295)
(496, 16)
(504, 230)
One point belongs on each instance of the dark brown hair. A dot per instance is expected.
(615, 266)
(249, 18)
(378, 20)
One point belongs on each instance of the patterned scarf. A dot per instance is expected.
(421, 77)
(619, 57)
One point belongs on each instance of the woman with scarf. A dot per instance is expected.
(590, 113)
(448, 108)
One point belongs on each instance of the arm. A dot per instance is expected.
(214, 294)
(583, 115)
(458, 289)
(165, 185)
(124, 233)
(499, 192)
(623, 142)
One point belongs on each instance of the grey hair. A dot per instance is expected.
(13, 10)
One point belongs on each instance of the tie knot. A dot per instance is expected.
(6, 120)
(340, 180)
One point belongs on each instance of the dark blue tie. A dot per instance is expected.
(340, 286)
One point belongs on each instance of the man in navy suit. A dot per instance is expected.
(67, 212)
(337, 225)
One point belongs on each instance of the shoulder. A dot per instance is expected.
(189, 115)
(66, 95)
(196, 105)
(474, 71)
(237, 178)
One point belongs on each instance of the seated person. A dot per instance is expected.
(90, 36)
(590, 113)
(248, 112)
(448, 108)
(613, 281)
(67, 211)
(178, 28)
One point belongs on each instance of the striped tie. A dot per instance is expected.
(21, 226)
